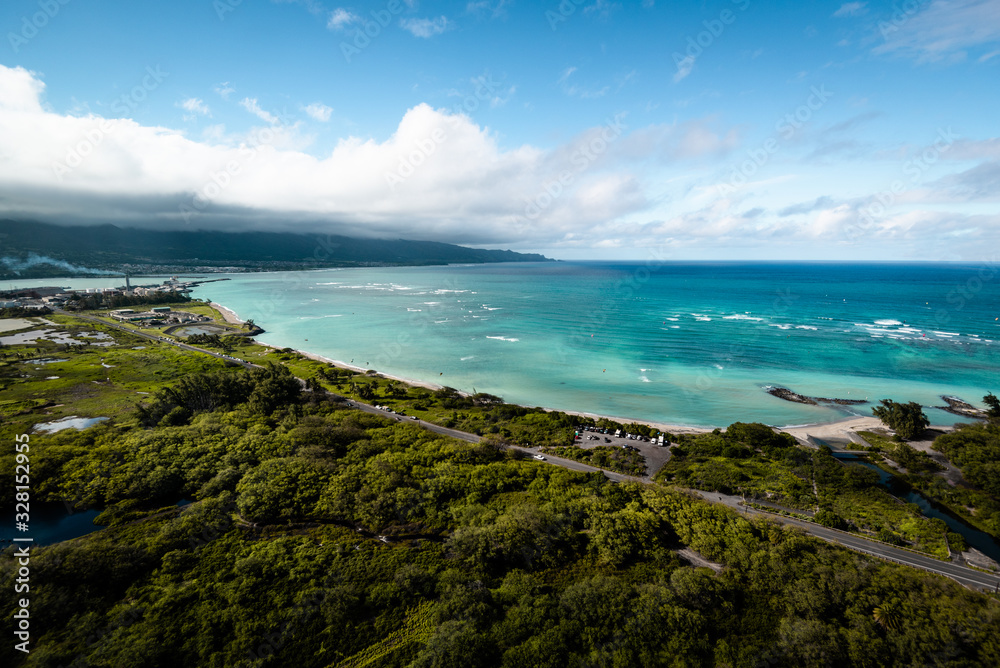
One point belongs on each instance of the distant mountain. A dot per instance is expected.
(32, 249)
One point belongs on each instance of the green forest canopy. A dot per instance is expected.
(484, 560)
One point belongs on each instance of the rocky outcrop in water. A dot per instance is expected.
(958, 407)
(788, 395)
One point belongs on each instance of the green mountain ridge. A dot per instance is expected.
(36, 249)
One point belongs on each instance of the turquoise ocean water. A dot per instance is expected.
(691, 344)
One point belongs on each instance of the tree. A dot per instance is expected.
(993, 412)
(830, 519)
(907, 420)
(887, 615)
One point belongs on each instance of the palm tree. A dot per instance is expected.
(888, 615)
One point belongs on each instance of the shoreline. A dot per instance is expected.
(839, 428)
(228, 314)
(232, 318)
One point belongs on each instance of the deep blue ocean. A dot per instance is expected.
(681, 343)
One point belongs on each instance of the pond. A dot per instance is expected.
(57, 336)
(71, 422)
(51, 522)
(980, 540)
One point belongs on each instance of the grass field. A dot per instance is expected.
(48, 381)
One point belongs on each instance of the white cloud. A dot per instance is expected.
(455, 182)
(684, 67)
(318, 111)
(196, 106)
(580, 91)
(251, 105)
(426, 28)
(20, 90)
(602, 9)
(440, 176)
(224, 90)
(972, 149)
(340, 18)
(851, 9)
(495, 8)
(942, 31)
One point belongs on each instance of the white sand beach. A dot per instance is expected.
(227, 314)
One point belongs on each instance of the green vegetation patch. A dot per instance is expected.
(911, 459)
(754, 461)
(605, 457)
(323, 536)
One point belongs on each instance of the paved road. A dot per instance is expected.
(473, 438)
(962, 574)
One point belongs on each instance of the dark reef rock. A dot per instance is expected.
(958, 407)
(788, 395)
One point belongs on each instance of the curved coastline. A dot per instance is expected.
(833, 429)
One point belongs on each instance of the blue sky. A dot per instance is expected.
(581, 129)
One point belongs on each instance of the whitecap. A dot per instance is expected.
(502, 338)
(703, 318)
(740, 316)
(888, 322)
(470, 357)
(644, 379)
(718, 366)
(947, 333)
(414, 310)
(806, 327)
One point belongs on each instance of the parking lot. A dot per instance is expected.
(656, 455)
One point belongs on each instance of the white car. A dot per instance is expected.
(540, 457)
